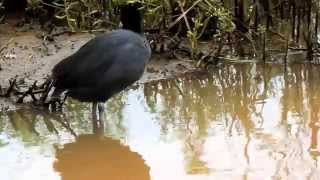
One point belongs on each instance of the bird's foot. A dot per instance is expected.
(55, 104)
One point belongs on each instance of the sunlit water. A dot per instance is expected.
(241, 121)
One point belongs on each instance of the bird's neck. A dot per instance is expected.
(135, 27)
(131, 18)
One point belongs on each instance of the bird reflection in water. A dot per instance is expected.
(93, 156)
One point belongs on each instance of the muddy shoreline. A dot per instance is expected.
(29, 54)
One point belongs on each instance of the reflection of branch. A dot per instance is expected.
(279, 165)
(21, 116)
(246, 147)
(31, 122)
(231, 126)
(259, 114)
(50, 125)
(179, 90)
(285, 96)
(65, 124)
(33, 126)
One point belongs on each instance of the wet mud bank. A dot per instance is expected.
(28, 54)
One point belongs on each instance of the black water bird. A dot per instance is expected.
(106, 64)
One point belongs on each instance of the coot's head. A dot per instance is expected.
(131, 17)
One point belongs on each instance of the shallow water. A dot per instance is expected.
(241, 121)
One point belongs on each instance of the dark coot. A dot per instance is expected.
(106, 64)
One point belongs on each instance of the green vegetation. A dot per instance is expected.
(247, 28)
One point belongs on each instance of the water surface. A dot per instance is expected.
(240, 121)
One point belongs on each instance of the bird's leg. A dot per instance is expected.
(62, 100)
(94, 111)
(98, 124)
(98, 128)
(101, 111)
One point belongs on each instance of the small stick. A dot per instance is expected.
(47, 87)
(6, 45)
(29, 91)
(12, 84)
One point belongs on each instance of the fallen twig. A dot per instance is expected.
(6, 45)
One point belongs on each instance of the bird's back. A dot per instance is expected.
(103, 66)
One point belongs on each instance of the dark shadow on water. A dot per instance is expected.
(99, 158)
(93, 156)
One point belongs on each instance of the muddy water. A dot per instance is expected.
(241, 121)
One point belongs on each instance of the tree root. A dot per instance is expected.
(36, 93)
